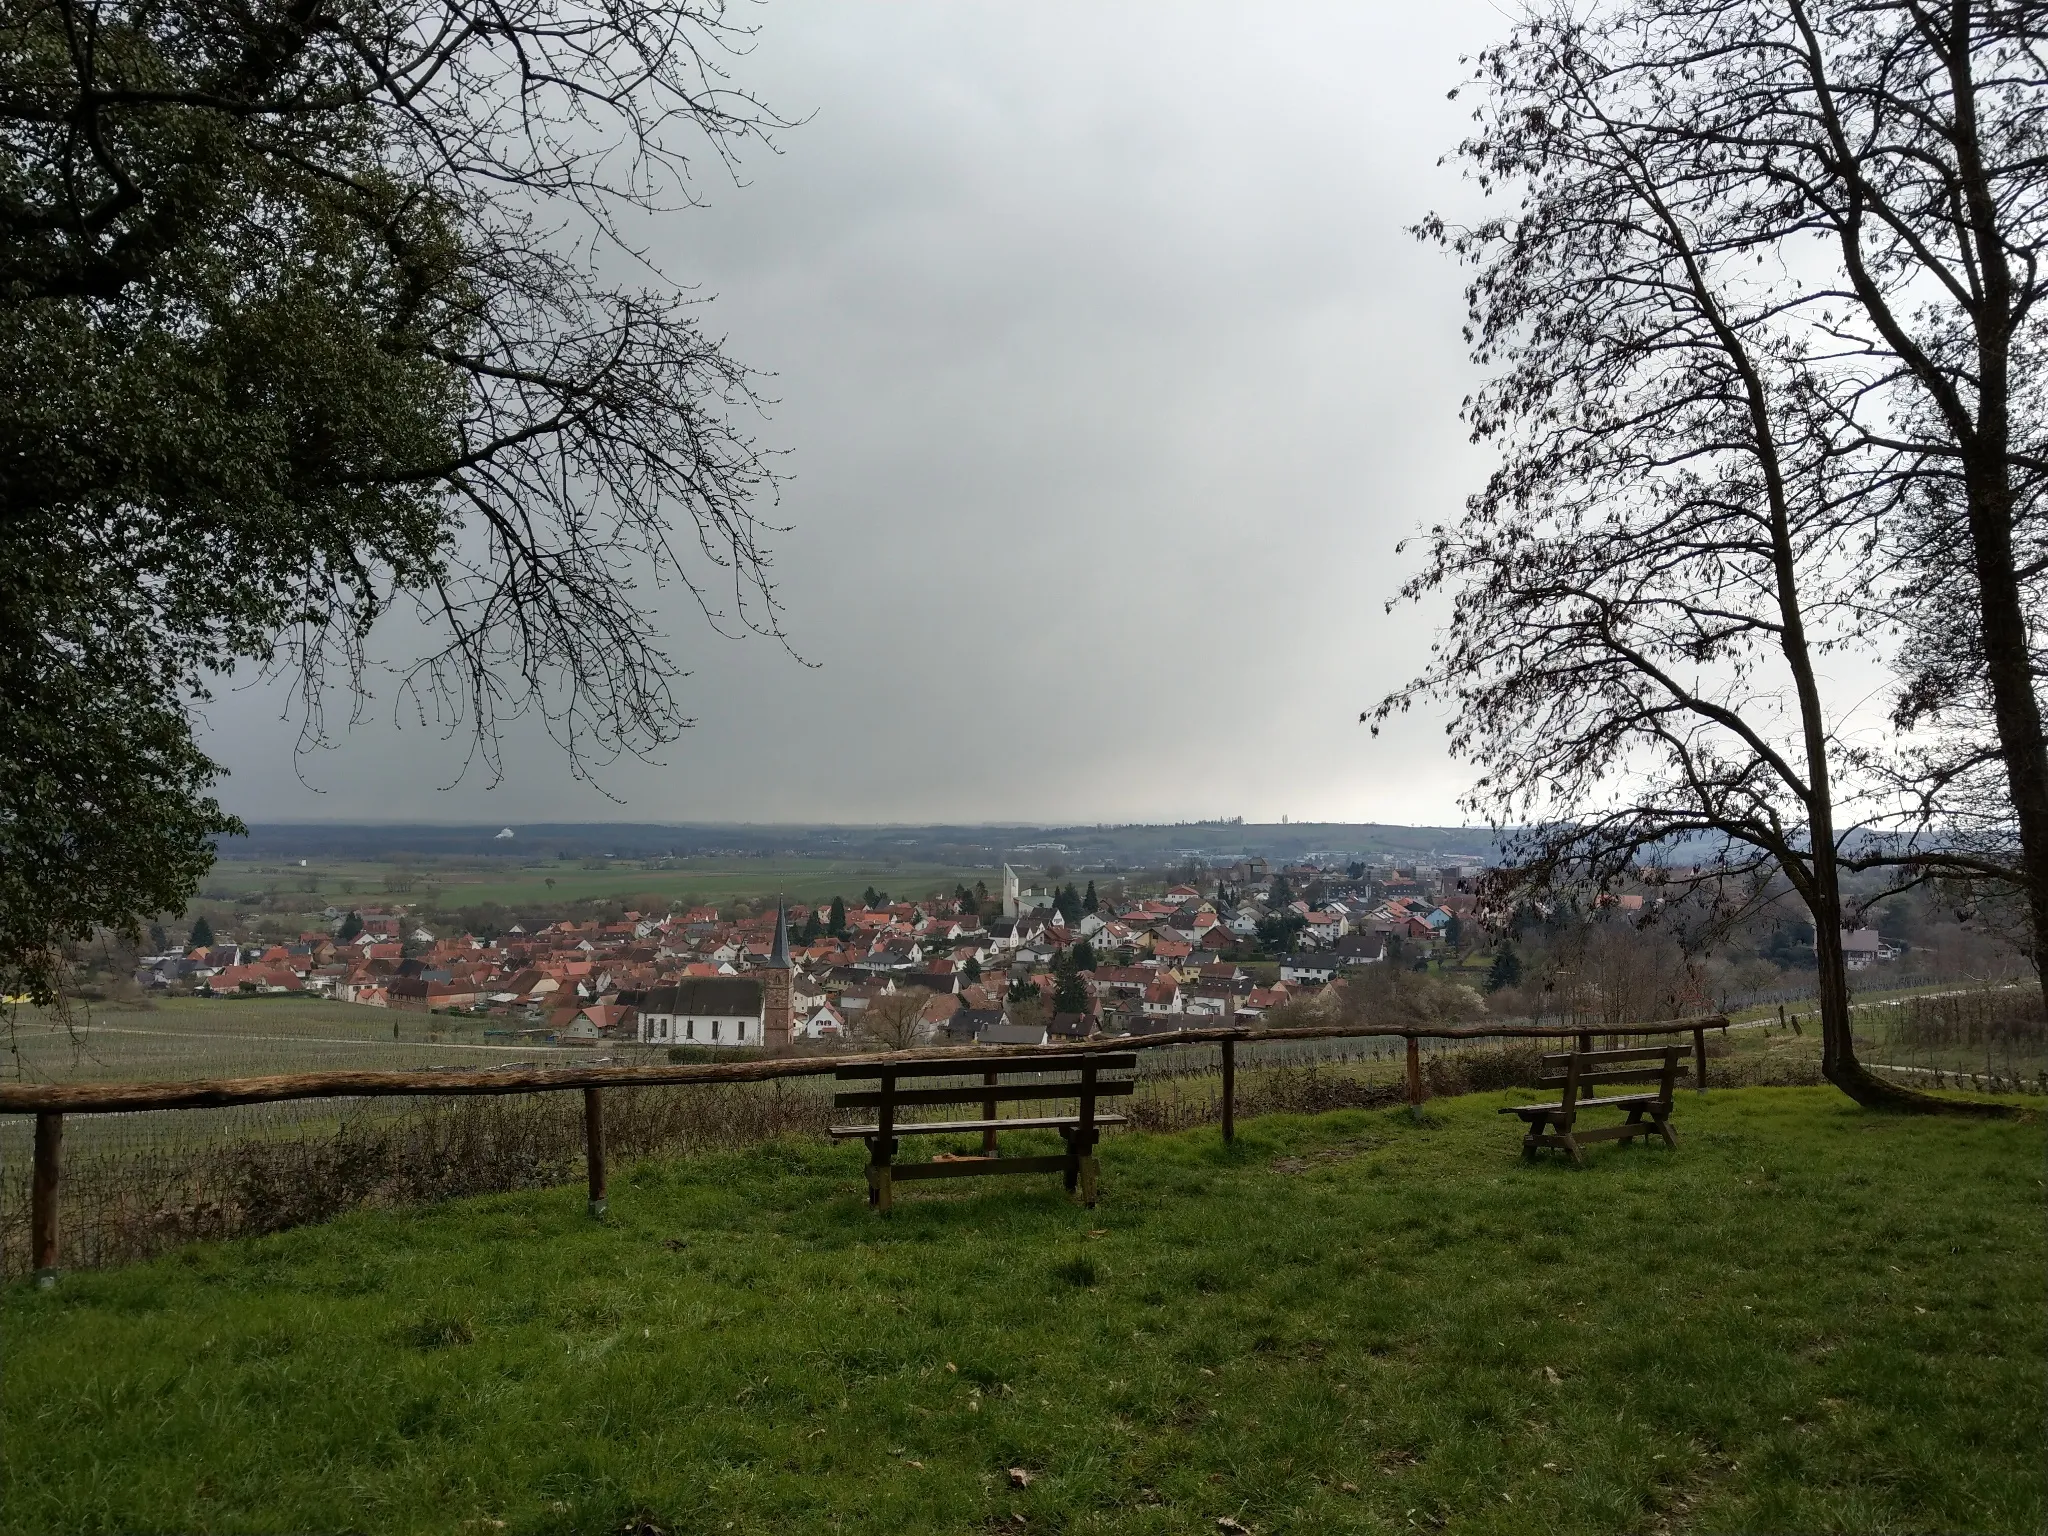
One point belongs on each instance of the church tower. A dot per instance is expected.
(1013, 906)
(777, 1026)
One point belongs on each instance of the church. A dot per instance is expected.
(731, 1011)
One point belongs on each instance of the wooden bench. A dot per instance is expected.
(1649, 1112)
(1080, 1078)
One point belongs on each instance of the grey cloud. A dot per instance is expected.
(1109, 381)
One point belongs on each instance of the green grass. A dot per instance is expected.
(1806, 1318)
(654, 883)
(236, 1036)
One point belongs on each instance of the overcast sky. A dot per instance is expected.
(1108, 381)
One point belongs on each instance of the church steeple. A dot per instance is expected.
(778, 1021)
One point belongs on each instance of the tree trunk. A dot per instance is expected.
(1987, 481)
(1838, 1063)
(2009, 670)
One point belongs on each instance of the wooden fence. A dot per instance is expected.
(51, 1102)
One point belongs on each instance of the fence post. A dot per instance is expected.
(43, 1198)
(593, 1146)
(1230, 1090)
(1414, 1077)
(1585, 1040)
(1699, 1059)
(988, 1112)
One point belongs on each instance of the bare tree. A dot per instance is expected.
(1694, 511)
(897, 1020)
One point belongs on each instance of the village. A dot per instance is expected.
(1016, 966)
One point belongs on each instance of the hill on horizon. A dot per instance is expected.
(1078, 846)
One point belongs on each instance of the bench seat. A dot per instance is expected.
(948, 1127)
(1526, 1111)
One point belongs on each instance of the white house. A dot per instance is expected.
(703, 1011)
(1313, 969)
(823, 1022)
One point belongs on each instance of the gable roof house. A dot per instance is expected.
(1071, 1026)
(597, 1021)
(824, 1022)
(1010, 1032)
(724, 1011)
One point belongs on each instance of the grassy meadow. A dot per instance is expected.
(1805, 1318)
(521, 886)
(183, 1038)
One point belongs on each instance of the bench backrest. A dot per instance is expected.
(960, 1066)
(1081, 1075)
(1586, 1073)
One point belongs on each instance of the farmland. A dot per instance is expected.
(523, 885)
(1345, 1322)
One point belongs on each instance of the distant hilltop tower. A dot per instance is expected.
(776, 1023)
(1013, 906)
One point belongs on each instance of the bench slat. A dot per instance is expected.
(1619, 1075)
(1630, 1053)
(979, 1093)
(960, 1066)
(949, 1127)
(970, 1167)
(1616, 1132)
(1578, 1104)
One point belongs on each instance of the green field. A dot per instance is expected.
(1806, 1318)
(658, 884)
(206, 1037)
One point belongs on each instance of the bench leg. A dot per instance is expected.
(1086, 1166)
(881, 1182)
(1571, 1146)
(1663, 1120)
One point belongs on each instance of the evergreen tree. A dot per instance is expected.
(981, 892)
(1506, 970)
(814, 927)
(1454, 932)
(1283, 893)
(1278, 933)
(871, 898)
(202, 933)
(973, 969)
(1022, 989)
(836, 923)
(1089, 904)
(969, 907)
(351, 927)
(1081, 957)
(1071, 995)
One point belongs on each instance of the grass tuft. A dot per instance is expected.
(1079, 1272)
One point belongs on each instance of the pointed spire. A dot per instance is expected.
(778, 957)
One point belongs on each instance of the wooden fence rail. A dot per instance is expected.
(51, 1102)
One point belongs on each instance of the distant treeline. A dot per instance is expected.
(1077, 847)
